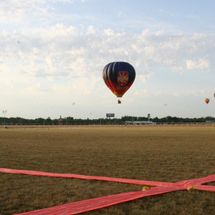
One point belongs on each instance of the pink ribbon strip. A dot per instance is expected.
(106, 201)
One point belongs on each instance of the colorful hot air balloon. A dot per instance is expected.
(119, 76)
(207, 100)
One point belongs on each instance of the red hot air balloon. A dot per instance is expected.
(119, 76)
(207, 100)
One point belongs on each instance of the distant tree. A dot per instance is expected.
(48, 121)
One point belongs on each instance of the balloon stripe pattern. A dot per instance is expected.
(119, 76)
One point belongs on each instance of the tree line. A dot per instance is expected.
(102, 121)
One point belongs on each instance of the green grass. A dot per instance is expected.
(152, 153)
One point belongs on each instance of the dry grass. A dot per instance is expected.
(153, 153)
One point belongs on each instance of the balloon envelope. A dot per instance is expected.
(119, 76)
(207, 100)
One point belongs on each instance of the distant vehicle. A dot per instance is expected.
(207, 100)
(119, 76)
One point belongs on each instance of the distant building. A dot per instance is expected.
(60, 121)
(140, 123)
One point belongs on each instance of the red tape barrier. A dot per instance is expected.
(106, 201)
(86, 177)
(98, 203)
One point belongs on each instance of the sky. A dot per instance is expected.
(52, 53)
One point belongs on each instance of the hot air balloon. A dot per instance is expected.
(207, 100)
(119, 76)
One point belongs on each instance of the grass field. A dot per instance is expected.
(162, 153)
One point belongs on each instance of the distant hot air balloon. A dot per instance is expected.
(119, 76)
(207, 100)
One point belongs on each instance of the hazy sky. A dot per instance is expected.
(52, 53)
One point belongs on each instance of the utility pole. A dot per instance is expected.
(149, 117)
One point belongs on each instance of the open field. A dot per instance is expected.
(162, 153)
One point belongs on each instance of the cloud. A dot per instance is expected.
(50, 53)
(66, 62)
(62, 50)
(200, 64)
(16, 11)
(91, 30)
